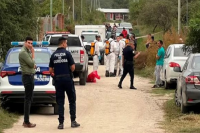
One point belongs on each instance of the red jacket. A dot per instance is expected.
(124, 32)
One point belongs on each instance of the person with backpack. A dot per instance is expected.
(110, 57)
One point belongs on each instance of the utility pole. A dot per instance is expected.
(73, 9)
(63, 6)
(179, 16)
(51, 14)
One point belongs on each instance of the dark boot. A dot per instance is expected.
(132, 87)
(74, 124)
(115, 72)
(112, 75)
(60, 126)
(107, 74)
(120, 84)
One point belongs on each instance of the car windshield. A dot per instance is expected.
(125, 25)
(119, 30)
(71, 41)
(46, 38)
(89, 37)
(178, 52)
(196, 63)
(40, 58)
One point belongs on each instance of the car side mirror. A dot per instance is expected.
(177, 69)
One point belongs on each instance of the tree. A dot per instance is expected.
(193, 39)
(18, 20)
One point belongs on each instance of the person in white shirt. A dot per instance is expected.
(121, 47)
(117, 55)
(110, 58)
(96, 56)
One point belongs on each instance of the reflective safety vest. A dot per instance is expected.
(107, 48)
(92, 49)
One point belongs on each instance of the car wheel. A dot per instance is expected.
(166, 86)
(83, 77)
(177, 103)
(55, 109)
(184, 109)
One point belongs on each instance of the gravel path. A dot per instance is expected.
(103, 108)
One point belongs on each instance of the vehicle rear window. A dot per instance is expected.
(89, 37)
(178, 52)
(40, 58)
(71, 41)
(196, 63)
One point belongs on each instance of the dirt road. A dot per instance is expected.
(103, 108)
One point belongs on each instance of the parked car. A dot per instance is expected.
(76, 47)
(11, 86)
(188, 83)
(174, 57)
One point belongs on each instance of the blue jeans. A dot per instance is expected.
(62, 85)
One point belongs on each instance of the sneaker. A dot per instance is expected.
(120, 86)
(74, 124)
(156, 86)
(132, 87)
(60, 126)
(29, 125)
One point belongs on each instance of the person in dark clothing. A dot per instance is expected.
(127, 61)
(61, 66)
(27, 63)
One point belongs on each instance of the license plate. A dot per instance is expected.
(42, 78)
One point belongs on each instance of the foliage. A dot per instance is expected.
(18, 20)
(193, 36)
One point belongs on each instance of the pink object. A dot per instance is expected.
(92, 77)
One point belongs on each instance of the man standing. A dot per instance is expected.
(110, 58)
(159, 64)
(124, 32)
(122, 44)
(27, 64)
(127, 59)
(61, 66)
(97, 55)
(117, 52)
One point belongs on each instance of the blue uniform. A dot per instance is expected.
(61, 60)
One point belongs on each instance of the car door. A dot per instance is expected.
(166, 62)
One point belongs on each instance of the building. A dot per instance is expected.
(115, 14)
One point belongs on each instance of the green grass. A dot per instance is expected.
(162, 91)
(7, 119)
(147, 72)
(176, 122)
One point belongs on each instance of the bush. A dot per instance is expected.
(148, 58)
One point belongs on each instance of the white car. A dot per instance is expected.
(11, 86)
(174, 57)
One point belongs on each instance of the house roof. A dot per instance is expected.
(113, 10)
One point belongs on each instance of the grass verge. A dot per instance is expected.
(176, 122)
(7, 119)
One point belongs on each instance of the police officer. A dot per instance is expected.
(127, 61)
(97, 55)
(61, 66)
(110, 58)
